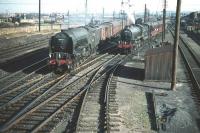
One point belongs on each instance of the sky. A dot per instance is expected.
(94, 6)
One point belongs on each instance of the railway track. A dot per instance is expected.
(98, 112)
(193, 66)
(40, 97)
(9, 53)
(20, 77)
(21, 74)
(112, 116)
(194, 53)
(3, 74)
(194, 36)
(17, 93)
(17, 89)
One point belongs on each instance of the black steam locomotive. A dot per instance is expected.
(68, 47)
(130, 36)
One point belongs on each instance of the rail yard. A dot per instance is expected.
(108, 75)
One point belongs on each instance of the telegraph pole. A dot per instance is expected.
(51, 22)
(113, 15)
(39, 14)
(164, 17)
(85, 12)
(122, 15)
(176, 42)
(68, 19)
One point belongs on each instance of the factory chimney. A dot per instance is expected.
(145, 13)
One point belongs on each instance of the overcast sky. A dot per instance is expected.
(94, 6)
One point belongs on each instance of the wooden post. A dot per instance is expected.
(176, 42)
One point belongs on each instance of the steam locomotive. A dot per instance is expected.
(132, 35)
(69, 46)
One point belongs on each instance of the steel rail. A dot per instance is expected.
(3, 80)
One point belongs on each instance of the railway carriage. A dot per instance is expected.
(155, 28)
(106, 31)
(116, 27)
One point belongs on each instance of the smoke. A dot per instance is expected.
(127, 6)
(130, 15)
